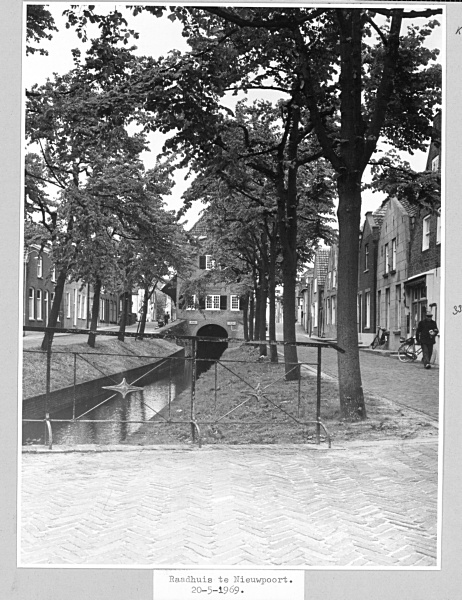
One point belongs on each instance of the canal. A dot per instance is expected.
(140, 406)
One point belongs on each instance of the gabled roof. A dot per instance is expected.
(378, 214)
(411, 209)
(320, 264)
(199, 228)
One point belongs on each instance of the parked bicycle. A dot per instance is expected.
(409, 351)
(380, 338)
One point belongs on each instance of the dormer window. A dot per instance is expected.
(206, 262)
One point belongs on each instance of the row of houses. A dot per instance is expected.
(76, 305)
(399, 273)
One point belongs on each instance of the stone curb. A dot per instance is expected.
(342, 446)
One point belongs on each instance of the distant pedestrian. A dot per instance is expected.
(426, 336)
(166, 318)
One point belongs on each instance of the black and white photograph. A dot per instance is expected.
(232, 287)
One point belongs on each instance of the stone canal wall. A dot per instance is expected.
(36, 406)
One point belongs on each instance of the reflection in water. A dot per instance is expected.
(137, 406)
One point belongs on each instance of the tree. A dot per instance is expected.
(39, 25)
(360, 79)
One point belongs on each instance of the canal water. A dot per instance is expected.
(136, 406)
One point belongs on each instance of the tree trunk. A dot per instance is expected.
(272, 298)
(94, 314)
(262, 312)
(287, 223)
(251, 315)
(54, 313)
(349, 217)
(144, 311)
(257, 312)
(245, 315)
(123, 319)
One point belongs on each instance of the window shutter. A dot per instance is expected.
(202, 262)
(223, 302)
(202, 302)
(241, 303)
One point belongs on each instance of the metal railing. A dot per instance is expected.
(258, 392)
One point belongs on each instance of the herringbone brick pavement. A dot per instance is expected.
(360, 505)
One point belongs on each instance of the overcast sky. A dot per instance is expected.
(157, 37)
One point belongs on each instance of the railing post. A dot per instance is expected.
(170, 388)
(193, 387)
(216, 384)
(318, 397)
(75, 388)
(48, 378)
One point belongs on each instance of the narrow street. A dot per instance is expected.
(407, 384)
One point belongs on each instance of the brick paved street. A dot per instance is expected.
(406, 383)
(362, 505)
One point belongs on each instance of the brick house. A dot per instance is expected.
(75, 311)
(422, 287)
(38, 287)
(330, 294)
(218, 313)
(317, 303)
(306, 291)
(367, 274)
(392, 268)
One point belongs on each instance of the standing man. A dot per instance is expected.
(426, 337)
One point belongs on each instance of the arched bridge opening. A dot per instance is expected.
(210, 349)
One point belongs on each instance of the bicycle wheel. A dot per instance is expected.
(375, 342)
(406, 353)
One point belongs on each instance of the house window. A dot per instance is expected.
(46, 306)
(52, 299)
(387, 308)
(212, 302)
(206, 262)
(192, 302)
(39, 305)
(366, 257)
(367, 300)
(31, 303)
(234, 302)
(426, 233)
(68, 304)
(393, 254)
(398, 307)
(315, 314)
(438, 229)
(334, 278)
(315, 286)
(40, 266)
(53, 275)
(436, 163)
(387, 259)
(328, 311)
(333, 310)
(75, 308)
(328, 281)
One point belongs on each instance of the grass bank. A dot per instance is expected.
(271, 416)
(108, 357)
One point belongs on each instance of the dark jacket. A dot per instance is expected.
(422, 334)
